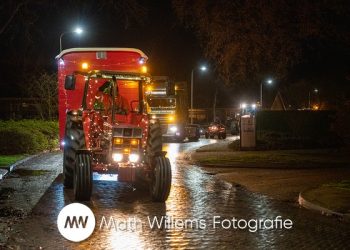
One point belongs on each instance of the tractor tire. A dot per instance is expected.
(161, 181)
(74, 140)
(154, 142)
(223, 136)
(82, 177)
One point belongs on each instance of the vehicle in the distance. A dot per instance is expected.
(216, 129)
(166, 102)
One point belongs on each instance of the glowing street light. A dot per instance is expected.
(269, 82)
(316, 92)
(201, 68)
(77, 31)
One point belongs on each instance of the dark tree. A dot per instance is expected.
(247, 40)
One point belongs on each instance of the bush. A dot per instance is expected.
(27, 136)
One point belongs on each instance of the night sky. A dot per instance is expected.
(30, 44)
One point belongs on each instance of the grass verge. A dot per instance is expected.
(296, 158)
(6, 160)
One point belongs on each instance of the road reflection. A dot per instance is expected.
(194, 195)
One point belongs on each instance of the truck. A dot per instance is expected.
(167, 102)
(103, 123)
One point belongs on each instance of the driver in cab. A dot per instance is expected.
(104, 98)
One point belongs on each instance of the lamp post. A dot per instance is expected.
(316, 92)
(269, 82)
(76, 30)
(202, 68)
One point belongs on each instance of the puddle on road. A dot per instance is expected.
(29, 172)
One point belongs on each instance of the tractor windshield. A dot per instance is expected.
(107, 95)
(162, 102)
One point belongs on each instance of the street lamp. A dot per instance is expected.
(316, 92)
(269, 82)
(77, 30)
(202, 68)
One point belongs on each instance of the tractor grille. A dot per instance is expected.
(163, 119)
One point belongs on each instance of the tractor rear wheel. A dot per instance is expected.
(82, 177)
(161, 181)
(74, 140)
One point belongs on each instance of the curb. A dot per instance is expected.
(325, 211)
(12, 167)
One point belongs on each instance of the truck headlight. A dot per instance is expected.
(133, 157)
(173, 129)
(118, 157)
(171, 118)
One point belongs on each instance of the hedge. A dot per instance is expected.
(28, 136)
(296, 129)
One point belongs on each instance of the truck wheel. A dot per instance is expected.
(206, 135)
(154, 142)
(219, 136)
(223, 136)
(212, 136)
(74, 139)
(161, 179)
(82, 177)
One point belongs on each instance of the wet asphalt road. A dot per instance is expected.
(194, 195)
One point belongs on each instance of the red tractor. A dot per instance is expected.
(103, 122)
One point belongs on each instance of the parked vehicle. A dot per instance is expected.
(216, 129)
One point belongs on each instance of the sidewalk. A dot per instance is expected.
(23, 187)
(281, 175)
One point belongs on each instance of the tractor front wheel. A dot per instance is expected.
(74, 140)
(82, 177)
(161, 181)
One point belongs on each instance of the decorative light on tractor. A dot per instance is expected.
(144, 69)
(84, 65)
(142, 60)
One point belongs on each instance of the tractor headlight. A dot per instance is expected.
(133, 157)
(118, 141)
(173, 129)
(134, 142)
(118, 157)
